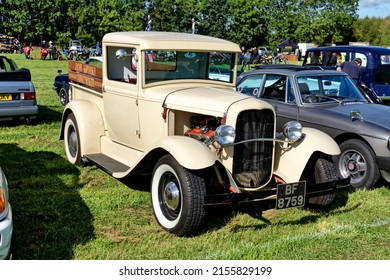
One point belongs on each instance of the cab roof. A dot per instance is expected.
(170, 41)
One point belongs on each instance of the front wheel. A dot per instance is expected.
(177, 197)
(358, 161)
(322, 171)
(72, 140)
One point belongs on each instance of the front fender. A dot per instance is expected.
(290, 163)
(190, 153)
(90, 124)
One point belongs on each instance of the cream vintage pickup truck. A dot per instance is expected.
(164, 105)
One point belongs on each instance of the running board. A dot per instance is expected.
(107, 164)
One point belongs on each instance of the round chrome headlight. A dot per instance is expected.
(225, 135)
(292, 131)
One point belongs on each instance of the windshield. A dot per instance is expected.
(165, 65)
(329, 88)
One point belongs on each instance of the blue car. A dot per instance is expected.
(375, 66)
(61, 81)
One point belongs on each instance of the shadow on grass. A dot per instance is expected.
(46, 115)
(50, 218)
(49, 115)
(218, 218)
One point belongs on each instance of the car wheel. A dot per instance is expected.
(177, 197)
(72, 140)
(64, 96)
(323, 171)
(357, 160)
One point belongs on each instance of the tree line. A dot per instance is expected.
(247, 23)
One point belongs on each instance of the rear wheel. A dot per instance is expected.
(64, 96)
(177, 197)
(72, 140)
(322, 171)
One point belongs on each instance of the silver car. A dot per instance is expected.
(17, 92)
(329, 101)
(6, 226)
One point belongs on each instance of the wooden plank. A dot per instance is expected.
(85, 68)
(87, 80)
(85, 74)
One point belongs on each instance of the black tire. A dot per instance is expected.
(323, 171)
(177, 197)
(72, 140)
(357, 160)
(64, 95)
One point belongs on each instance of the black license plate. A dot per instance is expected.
(290, 195)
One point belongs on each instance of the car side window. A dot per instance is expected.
(251, 85)
(362, 56)
(314, 58)
(121, 69)
(275, 87)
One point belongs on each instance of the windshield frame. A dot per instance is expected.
(197, 66)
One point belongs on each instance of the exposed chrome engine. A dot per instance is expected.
(202, 128)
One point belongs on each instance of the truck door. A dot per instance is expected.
(120, 96)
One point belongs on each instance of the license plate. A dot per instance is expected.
(5, 96)
(290, 195)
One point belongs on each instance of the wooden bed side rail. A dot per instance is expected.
(85, 74)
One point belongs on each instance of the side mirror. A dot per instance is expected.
(121, 54)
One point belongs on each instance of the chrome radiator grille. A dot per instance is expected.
(252, 163)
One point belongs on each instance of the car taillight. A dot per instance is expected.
(27, 96)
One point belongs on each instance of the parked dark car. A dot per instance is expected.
(61, 81)
(329, 101)
(375, 65)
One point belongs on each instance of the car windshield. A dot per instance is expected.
(7, 64)
(165, 65)
(328, 88)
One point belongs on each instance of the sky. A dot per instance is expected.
(374, 8)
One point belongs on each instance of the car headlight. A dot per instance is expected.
(292, 131)
(225, 135)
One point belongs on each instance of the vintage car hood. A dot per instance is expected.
(211, 100)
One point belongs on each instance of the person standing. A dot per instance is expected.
(352, 68)
(149, 24)
(98, 48)
(51, 50)
(193, 26)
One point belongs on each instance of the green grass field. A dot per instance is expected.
(66, 212)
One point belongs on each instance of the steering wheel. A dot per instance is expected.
(310, 98)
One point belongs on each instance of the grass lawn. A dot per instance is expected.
(63, 212)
